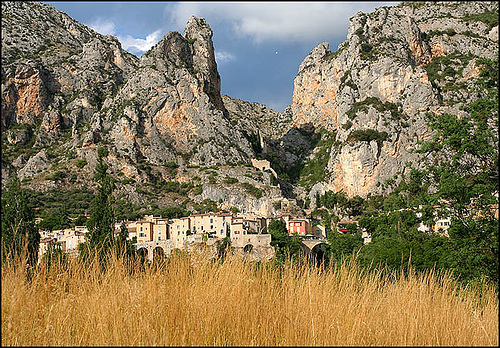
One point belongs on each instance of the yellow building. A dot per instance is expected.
(179, 230)
(212, 224)
(132, 229)
(144, 231)
(236, 228)
(161, 229)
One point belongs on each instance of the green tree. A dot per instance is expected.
(100, 235)
(54, 256)
(223, 246)
(57, 221)
(18, 223)
(462, 168)
(285, 245)
(81, 220)
(343, 245)
(125, 246)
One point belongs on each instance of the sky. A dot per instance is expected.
(258, 45)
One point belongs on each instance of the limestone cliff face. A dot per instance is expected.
(397, 64)
(55, 70)
(63, 78)
(358, 112)
(67, 90)
(172, 106)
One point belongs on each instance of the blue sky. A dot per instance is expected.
(247, 36)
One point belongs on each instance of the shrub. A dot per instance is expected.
(229, 180)
(57, 175)
(251, 189)
(377, 104)
(367, 135)
(347, 125)
(81, 163)
(171, 164)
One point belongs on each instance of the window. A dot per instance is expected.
(211, 221)
(211, 227)
(141, 228)
(202, 228)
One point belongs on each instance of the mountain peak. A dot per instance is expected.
(199, 35)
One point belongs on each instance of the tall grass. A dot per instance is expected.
(188, 300)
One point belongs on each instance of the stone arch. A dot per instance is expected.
(248, 248)
(309, 245)
(143, 252)
(318, 253)
(158, 253)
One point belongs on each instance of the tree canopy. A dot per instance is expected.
(18, 224)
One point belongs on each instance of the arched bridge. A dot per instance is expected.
(313, 243)
(315, 248)
(155, 248)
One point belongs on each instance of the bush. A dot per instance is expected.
(230, 180)
(81, 163)
(171, 164)
(377, 104)
(347, 125)
(367, 135)
(59, 175)
(251, 189)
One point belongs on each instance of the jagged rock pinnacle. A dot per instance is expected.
(199, 34)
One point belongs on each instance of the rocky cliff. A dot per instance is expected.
(396, 65)
(357, 115)
(67, 90)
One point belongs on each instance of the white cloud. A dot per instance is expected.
(130, 43)
(222, 56)
(108, 27)
(270, 21)
(103, 26)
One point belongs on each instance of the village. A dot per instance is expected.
(248, 234)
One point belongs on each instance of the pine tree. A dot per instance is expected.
(18, 223)
(100, 236)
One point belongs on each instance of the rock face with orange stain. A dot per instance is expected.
(67, 90)
(172, 105)
(56, 72)
(65, 80)
(396, 65)
(360, 112)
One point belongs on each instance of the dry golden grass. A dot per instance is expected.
(189, 301)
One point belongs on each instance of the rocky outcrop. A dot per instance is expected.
(356, 118)
(397, 64)
(49, 59)
(257, 119)
(171, 109)
(78, 90)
